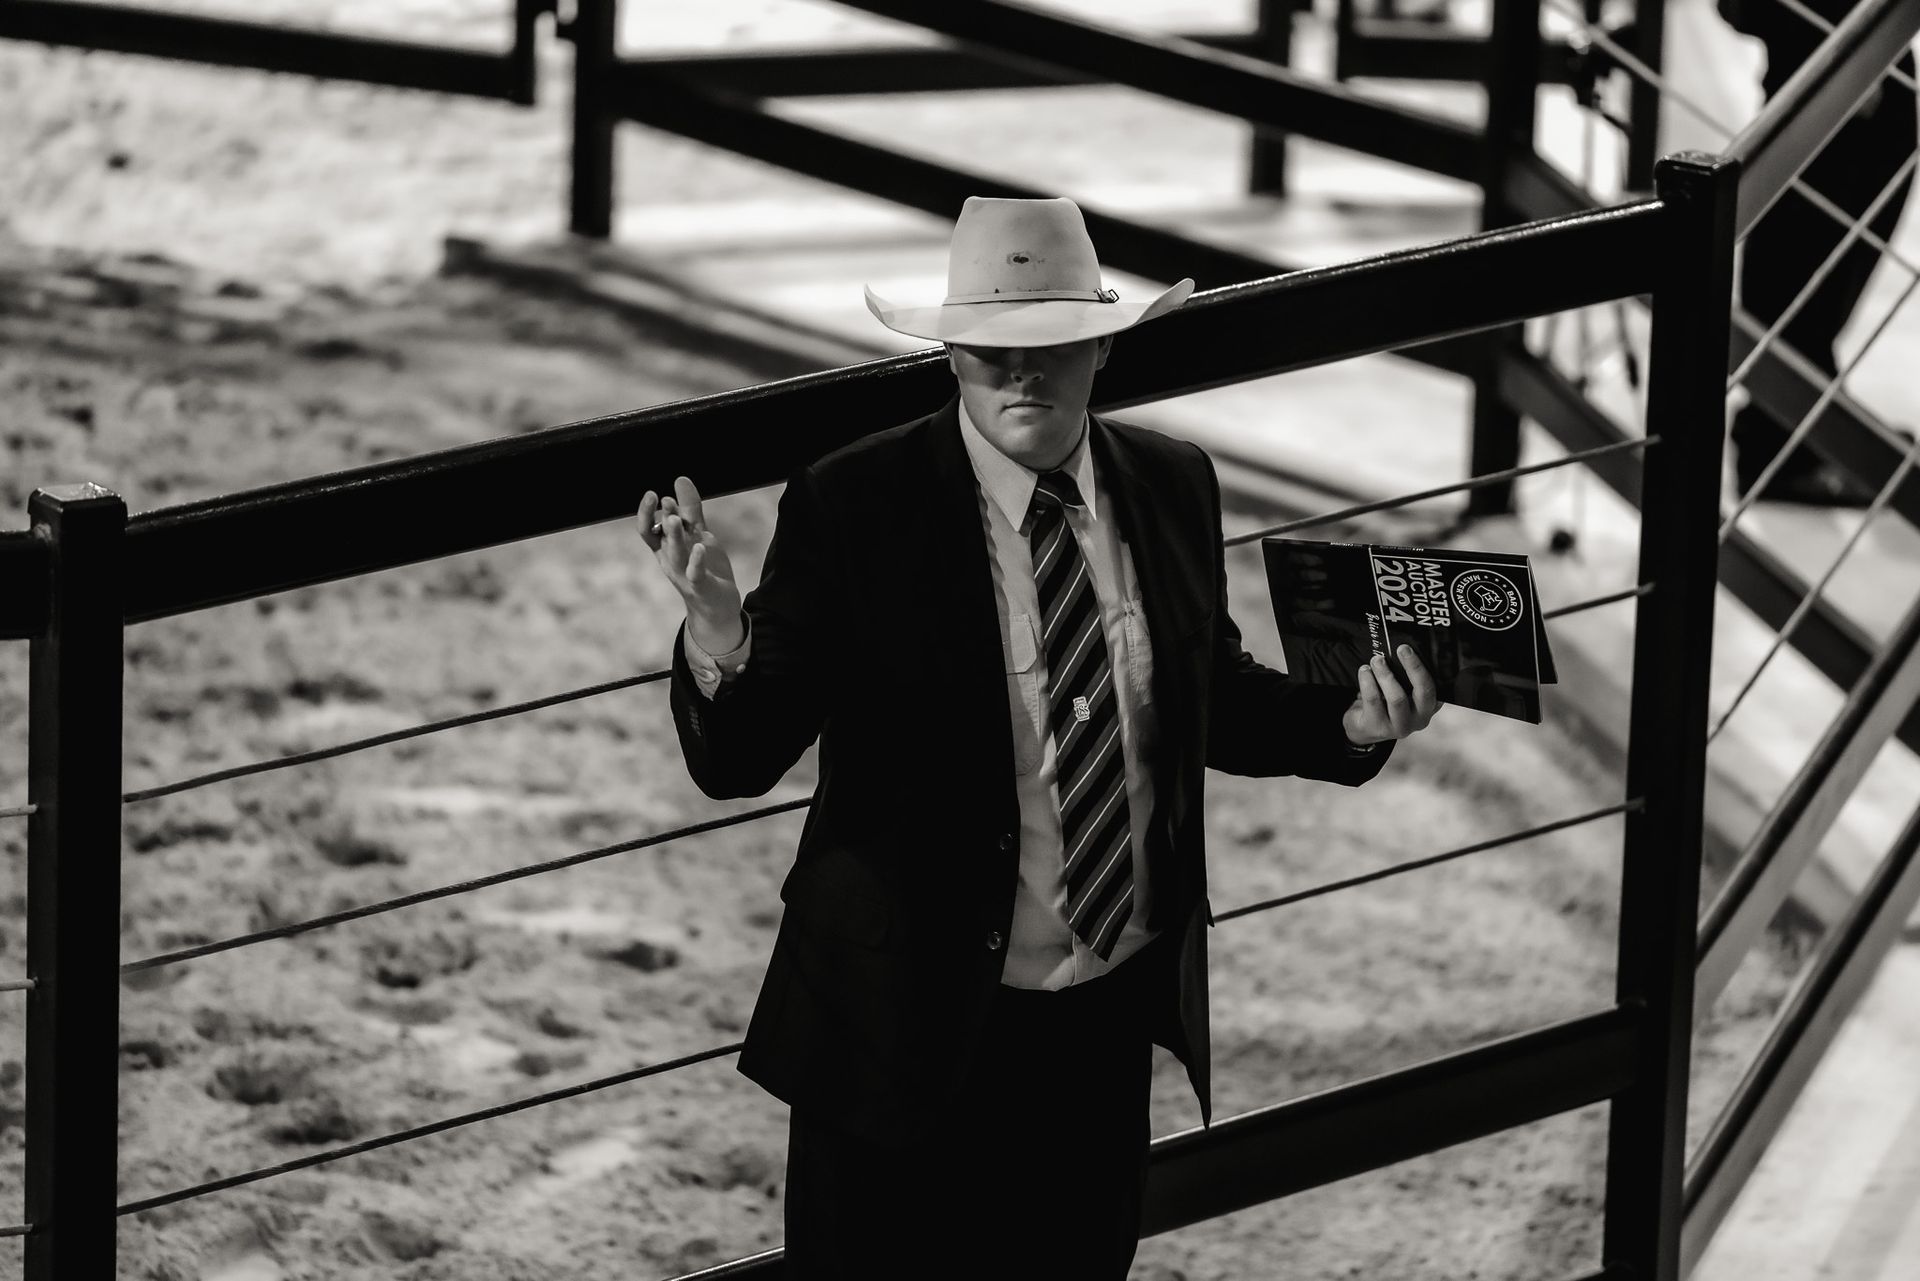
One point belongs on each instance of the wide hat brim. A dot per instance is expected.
(1040, 322)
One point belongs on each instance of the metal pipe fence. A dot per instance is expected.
(85, 571)
(88, 540)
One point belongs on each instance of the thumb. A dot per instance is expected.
(696, 562)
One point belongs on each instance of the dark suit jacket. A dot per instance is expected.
(903, 887)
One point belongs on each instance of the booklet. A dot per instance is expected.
(1473, 617)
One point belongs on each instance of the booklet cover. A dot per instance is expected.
(1472, 616)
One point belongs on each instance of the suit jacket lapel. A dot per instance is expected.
(1125, 484)
(967, 633)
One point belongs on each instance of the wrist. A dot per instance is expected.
(1354, 744)
(721, 634)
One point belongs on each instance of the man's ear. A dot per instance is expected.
(950, 360)
(1100, 355)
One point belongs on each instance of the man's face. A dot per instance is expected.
(1029, 401)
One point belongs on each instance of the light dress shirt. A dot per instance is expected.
(1042, 951)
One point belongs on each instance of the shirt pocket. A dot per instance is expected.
(1021, 651)
(1139, 651)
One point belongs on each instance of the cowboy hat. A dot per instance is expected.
(1022, 273)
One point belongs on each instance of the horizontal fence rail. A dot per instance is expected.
(1816, 101)
(677, 104)
(1836, 978)
(1245, 1160)
(403, 64)
(834, 72)
(1790, 835)
(1247, 88)
(235, 547)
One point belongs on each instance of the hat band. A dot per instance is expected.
(1037, 295)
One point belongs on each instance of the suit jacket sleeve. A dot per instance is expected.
(1261, 722)
(748, 734)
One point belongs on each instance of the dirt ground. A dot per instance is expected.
(213, 280)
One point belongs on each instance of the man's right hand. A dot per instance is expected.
(691, 556)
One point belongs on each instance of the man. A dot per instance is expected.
(1793, 241)
(1007, 625)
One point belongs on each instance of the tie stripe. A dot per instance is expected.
(1096, 833)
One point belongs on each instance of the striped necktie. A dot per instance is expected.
(1096, 837)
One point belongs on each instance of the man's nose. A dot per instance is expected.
(1022, 366)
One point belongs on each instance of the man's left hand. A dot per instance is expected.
(1385, 709)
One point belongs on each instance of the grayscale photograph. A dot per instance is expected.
(1023, 640)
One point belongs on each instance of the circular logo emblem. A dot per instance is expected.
(1488, 598)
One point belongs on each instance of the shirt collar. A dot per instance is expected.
(1010, 483)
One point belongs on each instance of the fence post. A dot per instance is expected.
(73, 889)
(1267, 156)
(593, 29)
(1666, 745)
(1643, 102)
(1345, 32)
(1513, 74)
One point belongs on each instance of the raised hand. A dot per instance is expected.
(695, 562)
(1384, 709)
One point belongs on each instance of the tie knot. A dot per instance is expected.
(1056, 489)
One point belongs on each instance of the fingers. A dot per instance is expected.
(1373, 704)
(1399, 707)
(1426, 695)
(673, 535)
(649, 513)
(689, 502)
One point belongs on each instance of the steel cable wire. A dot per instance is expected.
(1831, 388)
(1879, 504)
(17, 811)
(421, 1131)
(1827, 28)
(292, 928)
(1639, 70)
(1631, 593)
(654, 1069)
(1512, 838)
(1476, 482)
(731, 820)
(377, 740)
(446, 891)
(1820, 273)
(1815, 376)
(512, 709)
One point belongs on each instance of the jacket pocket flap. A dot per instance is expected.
(827, 900)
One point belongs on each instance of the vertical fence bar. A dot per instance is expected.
(73, 890)
(526, 48)
(1267, 157)
(593, 30)
(1666, 745)
(1513, 77)
(1345, 24)
(1643, 105)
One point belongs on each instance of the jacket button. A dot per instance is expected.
(994, 940)
(1006, 840)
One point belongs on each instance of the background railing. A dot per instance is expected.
(86, 570)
